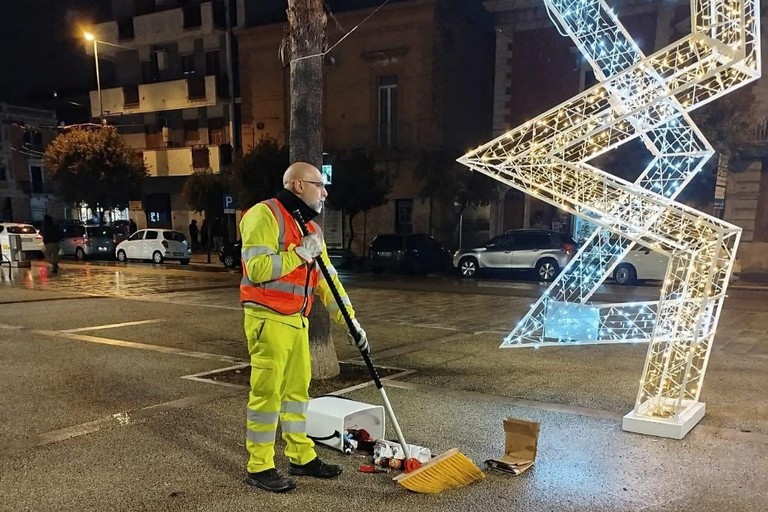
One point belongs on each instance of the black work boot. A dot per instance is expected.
(316, 468)
(270, 480)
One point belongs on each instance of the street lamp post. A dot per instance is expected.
(90, 37)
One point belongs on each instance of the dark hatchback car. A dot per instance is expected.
(417, 253)
(229, 254)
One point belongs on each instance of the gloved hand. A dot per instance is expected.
(311, 247)
(363, 343)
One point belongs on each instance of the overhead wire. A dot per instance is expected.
(326, 52)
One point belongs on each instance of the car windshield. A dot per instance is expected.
(72, 230)
(174, 235)
(387, 243)
(100, 232)
(22, 230)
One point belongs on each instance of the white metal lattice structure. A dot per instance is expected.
(645, 97)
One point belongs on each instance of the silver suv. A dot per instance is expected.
(520, 249)
(89, 241)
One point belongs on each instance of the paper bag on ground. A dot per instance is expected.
(521, 438)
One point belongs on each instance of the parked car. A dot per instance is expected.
(31, 241)
(229, 254)
(89, 241)
(416, 253)
(640, 264)
(156, 245)
(546, 252)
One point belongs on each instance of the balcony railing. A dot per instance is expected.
(184, 161)
(162, 26)
(174, 94)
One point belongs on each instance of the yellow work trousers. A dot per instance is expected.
(280, 374)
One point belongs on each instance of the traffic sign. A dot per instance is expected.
(229, 203)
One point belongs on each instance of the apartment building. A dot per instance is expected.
(171, 95)
(413, 76)
(25, 194)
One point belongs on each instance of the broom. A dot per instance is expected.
(449, 470)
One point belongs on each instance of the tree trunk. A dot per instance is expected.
(306, 23)
(351, 231)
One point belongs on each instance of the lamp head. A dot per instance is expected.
(88, 36)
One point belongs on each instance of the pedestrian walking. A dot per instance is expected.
(51, 237)
(204, 234)
(217, 234)
(193, 232)
(279, 280)
(132, 227)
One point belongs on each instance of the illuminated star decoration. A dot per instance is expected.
(646, 97)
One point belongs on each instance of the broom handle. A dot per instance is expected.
(356, 335)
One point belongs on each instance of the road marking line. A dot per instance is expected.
(119, 419)
(114, 326)
(181, 302)
(141, 346)
(201, 377)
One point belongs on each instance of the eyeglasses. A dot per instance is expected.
(318, 184)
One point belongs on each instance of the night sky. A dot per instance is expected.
(42, 48)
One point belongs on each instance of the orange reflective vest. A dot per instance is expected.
(293, 292)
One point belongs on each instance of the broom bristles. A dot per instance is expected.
(449, 470)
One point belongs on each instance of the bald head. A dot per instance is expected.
(300, 171)
(305, 181)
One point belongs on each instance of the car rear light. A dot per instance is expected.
(165, 244)
(569, 249)
(39, 237)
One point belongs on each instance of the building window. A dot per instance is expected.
(161, 58)
(212, 66)
(33, 139)
(196, 88)
(200, 158)
(219, 14)
(216, 133)
(404, 216)
(187, 64)
(131, 96)
(36, 173)
(387, 111)
(144, 7)
(191, 131)
(125, 29)
(192, 16)
(148, 71)
(3, 173)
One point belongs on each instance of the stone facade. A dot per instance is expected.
(440, 62)
(25, 194)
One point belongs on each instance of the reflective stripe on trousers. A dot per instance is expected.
(279, 360)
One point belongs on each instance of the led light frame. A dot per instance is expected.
(648, 98)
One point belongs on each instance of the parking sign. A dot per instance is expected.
(229, 203)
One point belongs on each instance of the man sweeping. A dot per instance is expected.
(279, 280)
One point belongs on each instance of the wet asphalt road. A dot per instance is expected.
(103, 406)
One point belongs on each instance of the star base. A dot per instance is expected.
(674, 427)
